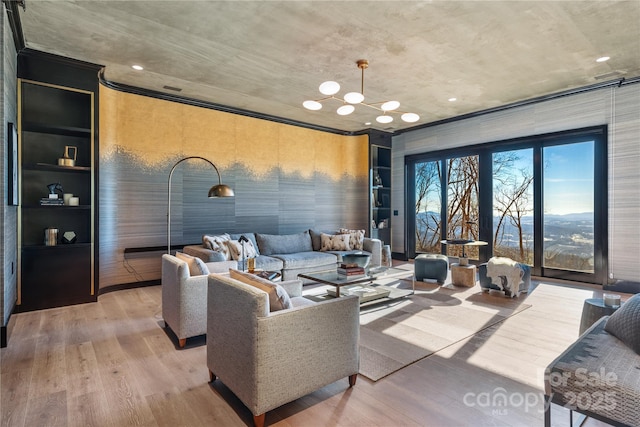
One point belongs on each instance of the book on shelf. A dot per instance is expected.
(45, 201)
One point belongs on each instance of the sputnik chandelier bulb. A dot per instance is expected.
(351, 99)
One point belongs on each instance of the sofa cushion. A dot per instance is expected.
(237, 253)
(270, 244)
(356, 237)
(624, 324)
(197, 267)
(335, 242)
(218, 244)
(268, 263)
(316, 238)
(306, 260)
(278, 297)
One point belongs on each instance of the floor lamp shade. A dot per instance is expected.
(218, 190)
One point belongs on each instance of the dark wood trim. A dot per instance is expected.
(218, 107)
(155, 248)
(5, 331)
(124, 286)
(15, 23)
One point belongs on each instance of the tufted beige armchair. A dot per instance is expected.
(268, 358)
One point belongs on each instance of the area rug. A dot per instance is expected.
(397, 334)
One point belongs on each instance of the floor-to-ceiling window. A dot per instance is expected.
(540, 200)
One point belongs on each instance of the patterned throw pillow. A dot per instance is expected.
(235, 247)
(624, 324)
(278, 297)
(356, 238)
(197, 267)
(218, 244)
(334, 242)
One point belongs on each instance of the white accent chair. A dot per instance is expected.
(268, 358)
(184, 297)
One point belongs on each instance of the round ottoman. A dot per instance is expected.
(432, 266)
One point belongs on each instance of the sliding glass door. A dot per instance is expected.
(568, 211)
(540, 200)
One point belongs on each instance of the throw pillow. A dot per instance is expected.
(235, 247)
(197, 267)
(335, 242)
(624, 324)
(217, 244)
(278, 297)
(356, 238)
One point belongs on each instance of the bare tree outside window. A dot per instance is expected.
(513, 205)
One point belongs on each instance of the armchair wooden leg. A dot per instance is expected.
(182, 342)
(212, 376)
(352, 380)
(258, 420)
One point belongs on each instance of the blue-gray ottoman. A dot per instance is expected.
(432, 266)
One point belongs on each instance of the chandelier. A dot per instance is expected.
(351, 99)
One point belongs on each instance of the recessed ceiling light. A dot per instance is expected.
(603, 59)
(137, 67)
(367, 123)
(453, 99)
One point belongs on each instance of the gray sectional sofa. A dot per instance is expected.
(290, 254)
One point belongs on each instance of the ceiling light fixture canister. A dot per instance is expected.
(351, 99)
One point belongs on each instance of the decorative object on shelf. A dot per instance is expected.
(69, 237)
(377, 180)
(55, 189)
(74, 201)
(66, 197)
(66, 159)
(373, 224)
(218, 190)
(330, 88)
(50, 236)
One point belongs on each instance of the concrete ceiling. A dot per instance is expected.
(270, 56)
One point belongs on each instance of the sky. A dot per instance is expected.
(568, 178)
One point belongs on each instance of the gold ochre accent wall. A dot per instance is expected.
(287, 179)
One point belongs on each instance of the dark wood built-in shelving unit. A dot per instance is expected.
(55, 113)
(380, 185)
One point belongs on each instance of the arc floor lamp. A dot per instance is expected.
(218, 190)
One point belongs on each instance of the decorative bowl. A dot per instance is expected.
(361, 259)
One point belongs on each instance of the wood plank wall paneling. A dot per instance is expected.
(286, 179)
(617, 107)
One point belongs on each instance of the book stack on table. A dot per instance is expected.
(351, 271)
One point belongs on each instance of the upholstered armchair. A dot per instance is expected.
(184, 295)
(269, 358)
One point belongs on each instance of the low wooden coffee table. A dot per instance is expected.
(371, 287)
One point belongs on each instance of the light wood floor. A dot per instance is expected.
(110, 363)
